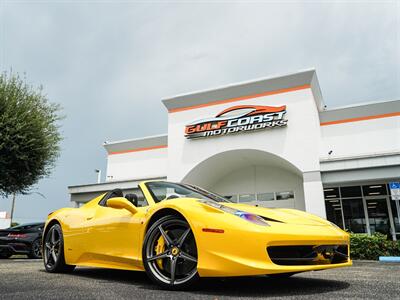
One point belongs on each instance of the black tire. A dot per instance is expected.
(176, 267)
(36, 249)
(281, 275)
(53, 251)
(5, 255)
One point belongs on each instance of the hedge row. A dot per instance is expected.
(364, 246)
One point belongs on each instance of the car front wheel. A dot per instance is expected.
(53, 251)
(170, 253)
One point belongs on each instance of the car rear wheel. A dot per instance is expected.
(170, 253)
(5, 255)
(36, 250)
(53, 251)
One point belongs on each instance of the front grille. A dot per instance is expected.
(308, 254)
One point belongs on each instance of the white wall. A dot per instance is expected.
(361, 138)
(297, 143)
(263, 179)
(141, 164)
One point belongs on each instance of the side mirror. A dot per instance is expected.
(121, 203)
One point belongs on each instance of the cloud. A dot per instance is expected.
(110, 63)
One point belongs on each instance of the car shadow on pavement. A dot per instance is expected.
(111, 275)
(260, 286)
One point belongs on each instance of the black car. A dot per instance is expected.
(22, 239)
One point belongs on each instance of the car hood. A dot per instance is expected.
(288, 216)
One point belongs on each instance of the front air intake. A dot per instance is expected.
(308, 254)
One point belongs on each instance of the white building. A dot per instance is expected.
(272, 142)
(5, 221)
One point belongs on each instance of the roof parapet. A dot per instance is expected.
(279, 84)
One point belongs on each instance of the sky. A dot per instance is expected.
(109, 64)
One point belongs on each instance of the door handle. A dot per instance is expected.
(89, 218)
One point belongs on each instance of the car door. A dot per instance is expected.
(113, 236)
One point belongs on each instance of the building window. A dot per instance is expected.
(361, 209)
(331, 193)
(378, 216)
(374, 190)
(396, 213)
(232, 198)
(354, 217)
(247, 197)
(266, 197)
(334, 211)
(284, 196)
(350, 192)
(262, 197)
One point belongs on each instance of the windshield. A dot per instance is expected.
(162, 190)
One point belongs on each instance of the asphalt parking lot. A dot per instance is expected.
(26, 279)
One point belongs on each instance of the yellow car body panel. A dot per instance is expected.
(106, 237)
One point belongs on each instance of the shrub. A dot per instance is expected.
(364, 246)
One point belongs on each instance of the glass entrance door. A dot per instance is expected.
(378, 215)
(366, 208)
(395, 205)
(354, 215)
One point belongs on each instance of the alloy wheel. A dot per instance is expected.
(171, 253)
(52, 248)
(37, 249)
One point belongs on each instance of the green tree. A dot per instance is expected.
(29, 135)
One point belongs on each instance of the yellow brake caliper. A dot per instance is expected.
(160, 248)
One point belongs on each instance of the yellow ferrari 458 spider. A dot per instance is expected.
(179, 232)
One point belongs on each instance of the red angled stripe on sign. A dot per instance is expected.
(258, 109)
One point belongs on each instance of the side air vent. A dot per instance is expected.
(270, 219)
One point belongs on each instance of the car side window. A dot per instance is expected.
(141, 198)
(110, 194)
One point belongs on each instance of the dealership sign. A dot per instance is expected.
(236, 119)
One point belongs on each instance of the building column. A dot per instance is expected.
(314, 193)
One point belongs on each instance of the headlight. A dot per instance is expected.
(251, 218)
(255, 219)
